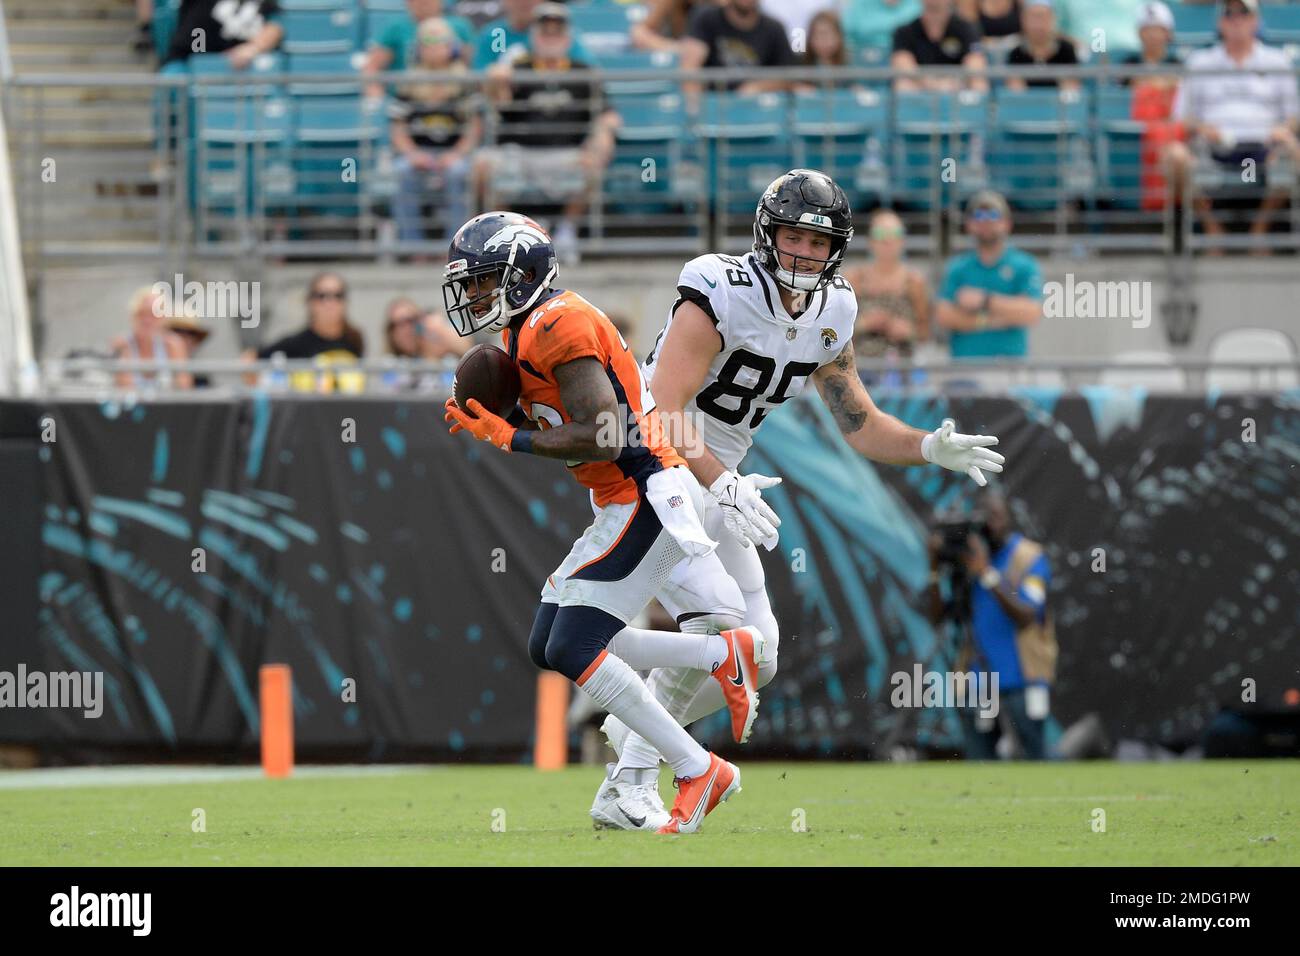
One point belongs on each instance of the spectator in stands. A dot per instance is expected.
(995, 19)
(410, 332)
(239, 30)
(991, 295)
(500, 40)
(1155, 26)
(893, 297)
(664, 25)
(1108, 26)
(434, 129)
(329, 338)
(826, 45)
(938, 37)
(397, 47)
(193, 332)
(826, 49)
(149, 339)
(870, 24)
(555, 137)
(736, 34)
(1041, 45)
(1246, 120)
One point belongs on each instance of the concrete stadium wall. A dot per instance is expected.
(84, 306)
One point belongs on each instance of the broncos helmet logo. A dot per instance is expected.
(524, 234)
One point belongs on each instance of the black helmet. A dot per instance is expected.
(803, 199)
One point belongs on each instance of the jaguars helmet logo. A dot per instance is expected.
(829, 338)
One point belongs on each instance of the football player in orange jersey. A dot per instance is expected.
(584, 397)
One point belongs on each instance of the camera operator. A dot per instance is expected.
(997, 594)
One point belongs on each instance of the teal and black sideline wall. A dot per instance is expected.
(378, 560)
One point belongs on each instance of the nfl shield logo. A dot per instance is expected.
(675, 501)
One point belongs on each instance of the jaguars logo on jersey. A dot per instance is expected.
(829, 338)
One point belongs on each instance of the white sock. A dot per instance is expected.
(675, 688)
(644, 650)
(617, 688)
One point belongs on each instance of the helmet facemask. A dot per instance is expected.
(474, 312)
(808, 273)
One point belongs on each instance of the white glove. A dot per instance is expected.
(966, 453)
(747, 516)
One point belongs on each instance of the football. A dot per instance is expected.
(487, 374)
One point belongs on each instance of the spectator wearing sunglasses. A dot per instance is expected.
(413, 334)
(893, 297)
(992, 294)
(329, 338)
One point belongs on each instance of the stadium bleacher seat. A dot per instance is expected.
(748, 142)
(1281, 23)
(929, 128)
(605, 28)
(639, 60)
(1041, 152)
(1251, 345)
(241, 153)
(1195, 25)
(331, 135)
(346, 66)
(1119, 148)
(654, 129)
(296, 5)
(845, 133)
(321, 31)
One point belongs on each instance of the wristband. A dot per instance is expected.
(926, 441)
(990, 579)
(522, 441)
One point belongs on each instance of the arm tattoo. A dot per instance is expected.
(592, 405)
(838, 391)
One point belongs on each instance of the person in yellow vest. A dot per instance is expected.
(1012, 629)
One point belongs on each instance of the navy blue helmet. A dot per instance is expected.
(803, 199)
(511, 248)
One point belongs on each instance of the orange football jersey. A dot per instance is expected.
(567, 327)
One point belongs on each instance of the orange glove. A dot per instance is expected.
(483, 425)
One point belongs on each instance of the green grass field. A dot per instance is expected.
(1168, 814)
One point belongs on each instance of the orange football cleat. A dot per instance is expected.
(738, 676)
(697, 796)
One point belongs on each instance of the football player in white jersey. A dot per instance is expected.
(745, 335)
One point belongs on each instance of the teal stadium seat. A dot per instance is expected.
(1281, 24)
(332, 136)
(296, 5)
(748, 145)
(665, 60)
(845, 134)
(1040, 152)
(241, 154)
(1119, 149)
(321, 31)
(655, 165)
(1195, 25)
(605, 28)
(346, 66)
(930, 128)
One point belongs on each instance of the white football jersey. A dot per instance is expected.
(766, 355)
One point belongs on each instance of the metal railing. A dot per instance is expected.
(268, 164)
(114, 379)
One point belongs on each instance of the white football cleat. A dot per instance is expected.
(630, 801)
